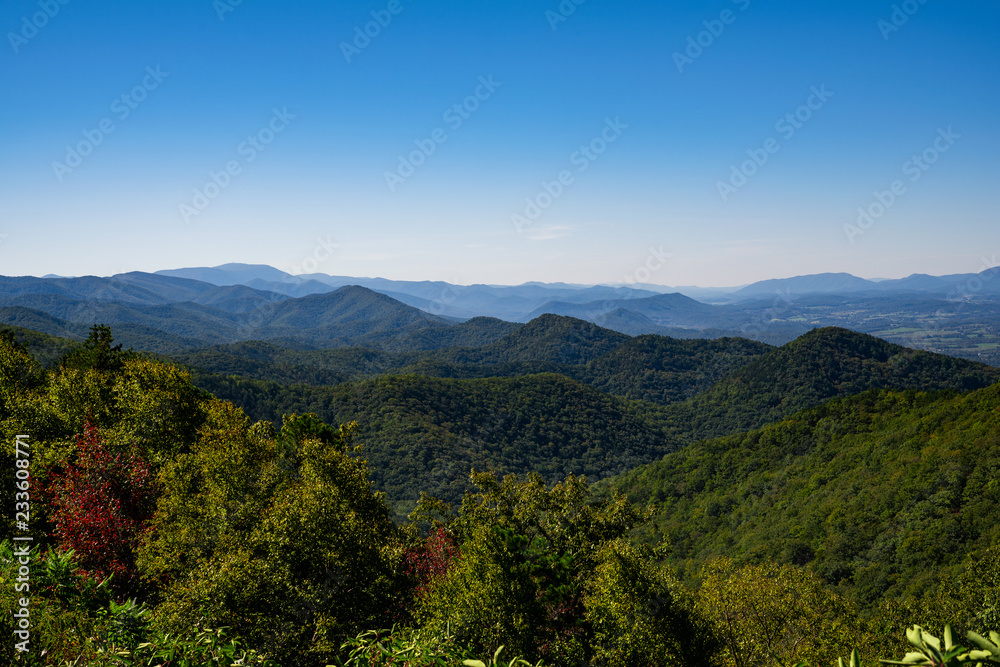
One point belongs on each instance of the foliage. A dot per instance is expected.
(972, 597)
(208, 647)
(278, 536)
(100, 506)
(398, 647)
(157, 406)
(967, 599)
(775, 614)
(66, 605)
(666, 370)
(275, 537)
(48, 350)
(96, 353)
(881, 495)
(641, 615)
(430, 560)
(932, 652)
(650, 368)
(424, 434)
(820, 365)
(546, 573)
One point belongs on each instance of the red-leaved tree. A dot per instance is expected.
(101, 504)
(430, 560)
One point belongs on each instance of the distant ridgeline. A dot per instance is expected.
(172, 312)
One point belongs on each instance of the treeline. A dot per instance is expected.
(651, 368)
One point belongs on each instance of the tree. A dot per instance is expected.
(775, 614)
(100, 505)
(83, 389)
(277, 535)
(429, 560)
(642, 615)
(547, 573)
(96, 353)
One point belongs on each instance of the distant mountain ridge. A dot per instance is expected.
(185, 313)
(951, 286)
(957, 315)
(439, 298)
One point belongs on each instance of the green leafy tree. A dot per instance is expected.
(278, 536)
(774, 614)
(642, 615)
(96, 353)
(83, 389)
(542, 571)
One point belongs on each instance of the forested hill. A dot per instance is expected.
(878, 494)
(426, 434)
(652, 368)
(820, 365)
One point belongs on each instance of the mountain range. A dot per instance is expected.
(181, 309)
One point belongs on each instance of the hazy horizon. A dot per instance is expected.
(988, 265)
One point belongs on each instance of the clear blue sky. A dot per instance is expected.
(678, 128)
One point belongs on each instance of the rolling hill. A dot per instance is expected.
(821, 365)
(880, 494)
(426, 434)
(704, 388)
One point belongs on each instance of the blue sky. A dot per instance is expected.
(652, 113)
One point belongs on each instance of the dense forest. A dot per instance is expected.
(561, 395)
(171, 524)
